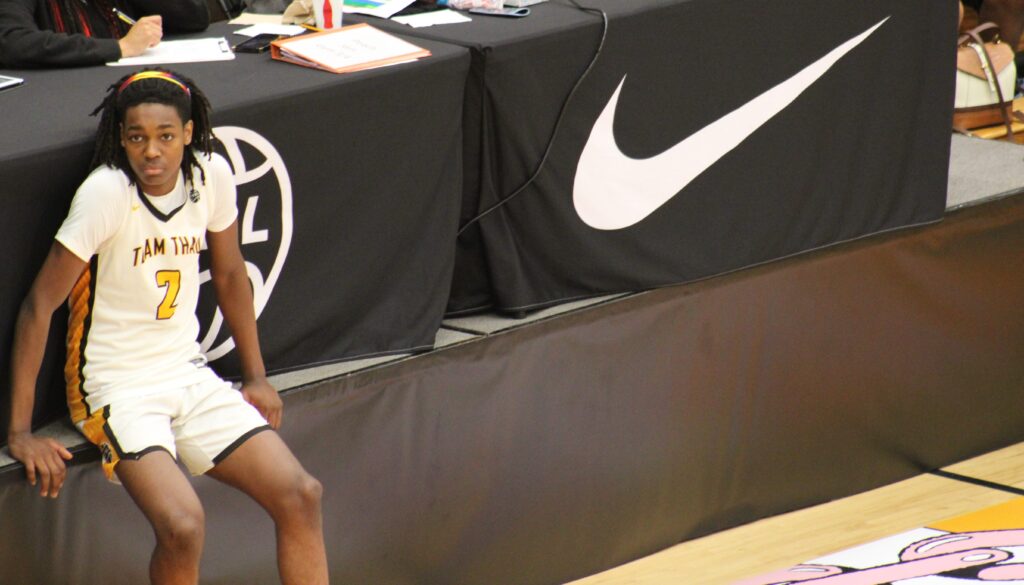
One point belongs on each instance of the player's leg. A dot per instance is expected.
(264, 468)
(167, 499)
(227, 438)
(137, 445)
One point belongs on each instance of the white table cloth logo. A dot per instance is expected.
(261, 177)
(613, 191)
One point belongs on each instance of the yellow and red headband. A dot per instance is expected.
(154, 75)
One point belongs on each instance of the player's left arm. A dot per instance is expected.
(234, 296)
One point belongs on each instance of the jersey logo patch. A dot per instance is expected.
(106, 453)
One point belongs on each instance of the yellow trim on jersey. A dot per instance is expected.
(94, 429)
(79, 303)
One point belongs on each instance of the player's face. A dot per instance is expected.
(154, 138)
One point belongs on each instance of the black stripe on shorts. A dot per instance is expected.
(238, 443)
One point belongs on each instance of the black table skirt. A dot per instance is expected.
(862, 149)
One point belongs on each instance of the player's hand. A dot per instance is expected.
(265, 398)
(43, 459)
(145, 33)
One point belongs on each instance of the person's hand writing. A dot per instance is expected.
(145, 33)
(43, 459)
(265, 398)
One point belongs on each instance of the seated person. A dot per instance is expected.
(137, 383)
(70, 33)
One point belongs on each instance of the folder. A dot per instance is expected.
(349, 48)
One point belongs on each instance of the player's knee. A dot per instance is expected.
(183, 531)
(303, 498)
(310, 492)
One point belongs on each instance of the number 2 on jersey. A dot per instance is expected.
(171, 280)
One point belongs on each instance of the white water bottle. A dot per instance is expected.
(327, 13)
(470, 4)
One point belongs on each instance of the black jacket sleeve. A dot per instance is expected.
(23, 44)
(179, 16)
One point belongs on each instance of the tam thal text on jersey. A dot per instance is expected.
(180, 246)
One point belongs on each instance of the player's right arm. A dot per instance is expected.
(43, 458)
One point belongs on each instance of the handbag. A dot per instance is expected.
(985, 80)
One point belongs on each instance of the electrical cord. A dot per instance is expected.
(558, 121)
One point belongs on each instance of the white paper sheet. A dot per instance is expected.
(252, 18)
(431, 18)
(379, 8)
(8, 81)
(287, 30)
(189, 51)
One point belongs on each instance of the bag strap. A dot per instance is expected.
(990, 70)
(975, 33)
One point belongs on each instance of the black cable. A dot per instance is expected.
(558, 121)
(976, 481)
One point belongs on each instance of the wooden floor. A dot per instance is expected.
(788, 540)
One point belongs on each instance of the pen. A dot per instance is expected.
(124, 17)
(311, 27)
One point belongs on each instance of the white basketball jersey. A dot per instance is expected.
(132, 324)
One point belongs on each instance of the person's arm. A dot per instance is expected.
(234, 296)
(43, 458)
(179, 16)
(24, 44)
(145, 33)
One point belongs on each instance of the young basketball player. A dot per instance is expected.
(127, 260)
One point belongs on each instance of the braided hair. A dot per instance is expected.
(152, 86)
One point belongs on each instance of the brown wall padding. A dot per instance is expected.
(564, 447)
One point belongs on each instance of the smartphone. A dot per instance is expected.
(256, 44)
(513, 12)
(6, 81)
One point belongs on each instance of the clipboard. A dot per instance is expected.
(349, 48)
